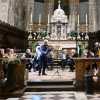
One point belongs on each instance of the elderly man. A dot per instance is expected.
(44, 50)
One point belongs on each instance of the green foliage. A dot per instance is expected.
(33, 46)
(43, 34)
(73, 34)
(15, 62)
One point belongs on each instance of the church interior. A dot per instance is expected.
(59, 37)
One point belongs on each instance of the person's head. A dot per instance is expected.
(1, 52)
(28, 51)
(8, 50)
(96, 44)
(12, 51)
(45, 42)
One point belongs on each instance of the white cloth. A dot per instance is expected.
(38, 52)
(63, 56)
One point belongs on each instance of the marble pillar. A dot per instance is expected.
(92, 16)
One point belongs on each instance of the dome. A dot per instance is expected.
(59, 11)
(59, 15)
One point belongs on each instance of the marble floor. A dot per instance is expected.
(64, 95)
(52, 75)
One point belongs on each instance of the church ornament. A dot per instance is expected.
(59, 23)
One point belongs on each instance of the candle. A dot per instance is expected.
(39, 19)
(31, 19)
(48, 18)
(86, 20)
(78, 20)
(78, 25)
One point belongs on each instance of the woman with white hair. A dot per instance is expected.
(28, 53)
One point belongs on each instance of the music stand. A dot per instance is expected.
(57, 64)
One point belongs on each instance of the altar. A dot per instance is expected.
(58, 29)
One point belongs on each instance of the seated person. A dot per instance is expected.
(63, 59)
(70, 62)
(28, 56)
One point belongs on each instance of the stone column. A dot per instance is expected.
(98, 14)
(92, 16)
(16, 13)
(49, 9)
(11, 12)
(74, 11)
(29, 10)
(4, 7)
(49, 6)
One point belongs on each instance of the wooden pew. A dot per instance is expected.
(80, 65)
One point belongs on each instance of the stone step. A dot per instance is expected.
(50, 88)
(46, 83)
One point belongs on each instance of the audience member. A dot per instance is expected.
(28, 53)
(96, 49)
(63, 59)
(28, 56)
(2, 53)
(70, 63)
(10, 54)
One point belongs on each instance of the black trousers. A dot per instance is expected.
(42, 64)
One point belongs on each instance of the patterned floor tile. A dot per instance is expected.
(49, 96)
(57, 96)
(94, 96)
